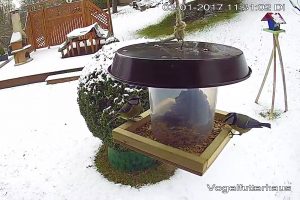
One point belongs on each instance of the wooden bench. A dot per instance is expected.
(83, 41)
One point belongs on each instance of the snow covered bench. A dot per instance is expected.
(21, 54)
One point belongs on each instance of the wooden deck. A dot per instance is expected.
(62, 78)
(36, 78)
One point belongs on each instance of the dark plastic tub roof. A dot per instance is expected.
(166, 65)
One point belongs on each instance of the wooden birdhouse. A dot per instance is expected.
(274, 20)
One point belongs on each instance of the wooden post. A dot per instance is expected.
(282, 73)
(32, 34)
(47, 43)
(109, 19)
(72, 48)
(84, 13)
(276, 47)
(68, 50)
(85, 47)
(274, 79)
(78, 48)
(265, 77)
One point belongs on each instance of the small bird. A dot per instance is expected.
(243, 123)
(130, 110)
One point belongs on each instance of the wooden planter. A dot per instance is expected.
(187, 161)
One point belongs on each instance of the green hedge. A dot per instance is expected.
(99, 98)
(2, 52)
(129, 161)
(101, 3)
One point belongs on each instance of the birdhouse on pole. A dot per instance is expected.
(274, 20)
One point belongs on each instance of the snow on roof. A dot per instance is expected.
(83, 31)
(16, 37)
(278, 18)
(275, 16)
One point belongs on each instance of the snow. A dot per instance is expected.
(19, 50)
(46, 149)
(65, 75)
(83, 31)
(44, 60)
(128, 20)
(16, 37)
(17, 3)
(4, 62)
(278, 18)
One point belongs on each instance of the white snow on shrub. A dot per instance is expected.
(104, 58)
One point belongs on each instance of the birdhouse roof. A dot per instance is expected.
(276, 17)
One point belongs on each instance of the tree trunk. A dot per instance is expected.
(114, 6)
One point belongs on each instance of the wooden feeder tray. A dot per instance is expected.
(194, 162)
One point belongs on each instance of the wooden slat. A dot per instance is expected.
(85, 47)
(184, 160)
(214, 149)
(160, 151)
(78, 47)
(72, 49)
(58, 21)
(66, 16)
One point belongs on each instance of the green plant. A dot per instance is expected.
(193, 18)
(157, 173)
(99, 98)
(2, 52)
(102, 3)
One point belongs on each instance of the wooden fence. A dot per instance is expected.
(49, 23)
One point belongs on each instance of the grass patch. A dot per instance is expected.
(135, 179)
(166, 26)
(266, 114)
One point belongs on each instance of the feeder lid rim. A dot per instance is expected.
(168, 87)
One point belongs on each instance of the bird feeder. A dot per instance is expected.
(182, 83)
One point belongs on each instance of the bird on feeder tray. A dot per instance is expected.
(243, 123)
(130, 110)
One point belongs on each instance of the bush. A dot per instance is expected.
(2, 52)
(100, 97)
(101, 3)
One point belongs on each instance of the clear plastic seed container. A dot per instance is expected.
(182, 117)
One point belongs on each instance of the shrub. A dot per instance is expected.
(100, 97)
(102, 3)
(2, 52)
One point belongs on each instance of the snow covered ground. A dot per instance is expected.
(44, 60)
(128, 20)
(46, 150)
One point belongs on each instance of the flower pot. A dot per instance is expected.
(129, 161)
(4, 57)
